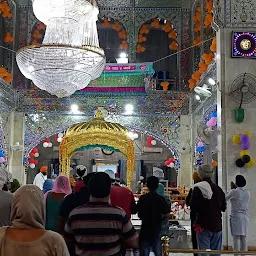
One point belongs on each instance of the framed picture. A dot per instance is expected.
(244, 45)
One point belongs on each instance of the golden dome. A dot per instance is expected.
(96, 124)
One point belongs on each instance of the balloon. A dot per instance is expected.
(2, 160)
(35, 161)
(172, 160)
(198, 149)
(31, 160)
(153, 142)
(249, 134)
(236, 139)
(246, 159)
(251, 163)
(171, 165)
(245, 146)
(240, 163)
(243, 152)
(32, 166)
(45, 144)
(37, 154)
(166, 163)
(34, 150)
(203, 149)
(1, 153)
(47, 140)
(244, 138)
(150, 138)
(200, 144)
(148, 144)
(59, 140)
(49, 145)
(60, 135)
(31, 154)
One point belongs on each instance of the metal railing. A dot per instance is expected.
(167, 251)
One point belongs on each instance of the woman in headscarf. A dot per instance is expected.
(27, 235)
(165, 223)
(48, 185)
(54, 199)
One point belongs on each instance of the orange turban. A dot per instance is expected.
(43, 169)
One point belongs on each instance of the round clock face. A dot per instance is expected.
(107, 152)
(245, 44)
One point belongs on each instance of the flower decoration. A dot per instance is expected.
(4, 74)
(167, 28)
(41, 26)
(8, 38)
(116, 26)
(5, 10)
(213, 47)
(173, 34)
(36, 35)
(144, 29)
(122, 34)
(197, 27)
(140, 48)
(174, 46)
(141, 38)
(124, 45)
(106, 23)
(209, 15)
(155, 23)
(165, 85)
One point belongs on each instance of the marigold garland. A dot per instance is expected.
(5, 10)
(167, 28)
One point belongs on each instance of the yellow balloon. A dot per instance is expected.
(244, 152)
(236, 139)
(248, 133)
(251, 163)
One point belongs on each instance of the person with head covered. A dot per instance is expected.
(5, 198)
(26, 235)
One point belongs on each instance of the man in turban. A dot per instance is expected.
(41, 177)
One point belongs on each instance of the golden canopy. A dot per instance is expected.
(97, 132)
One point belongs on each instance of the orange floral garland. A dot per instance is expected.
(197, 27)
(4, 74)
(167, 28)
(37, 33)
(203, 64)
(5, 12)
(206, 57)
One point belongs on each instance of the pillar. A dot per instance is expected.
(186, 160)
(228, 69)
(15, 158)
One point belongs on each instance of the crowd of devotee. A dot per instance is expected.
(52, 218)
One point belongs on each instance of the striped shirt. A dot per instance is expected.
(98, 228)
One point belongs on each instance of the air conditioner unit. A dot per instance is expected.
(152, 150)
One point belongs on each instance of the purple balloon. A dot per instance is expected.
(244, 138)
(2, 160)
(245, 145)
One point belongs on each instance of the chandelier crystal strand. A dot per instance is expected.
(70, 56)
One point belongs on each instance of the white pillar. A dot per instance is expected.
(228, 69)
(15, 159)
(186, 160)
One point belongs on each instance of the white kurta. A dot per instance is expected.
(239, 199)
(39, 180)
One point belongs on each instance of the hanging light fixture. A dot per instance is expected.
(70, 56)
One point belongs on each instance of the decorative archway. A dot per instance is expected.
(95, 133)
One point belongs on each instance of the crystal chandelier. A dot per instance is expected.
(70, 56)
